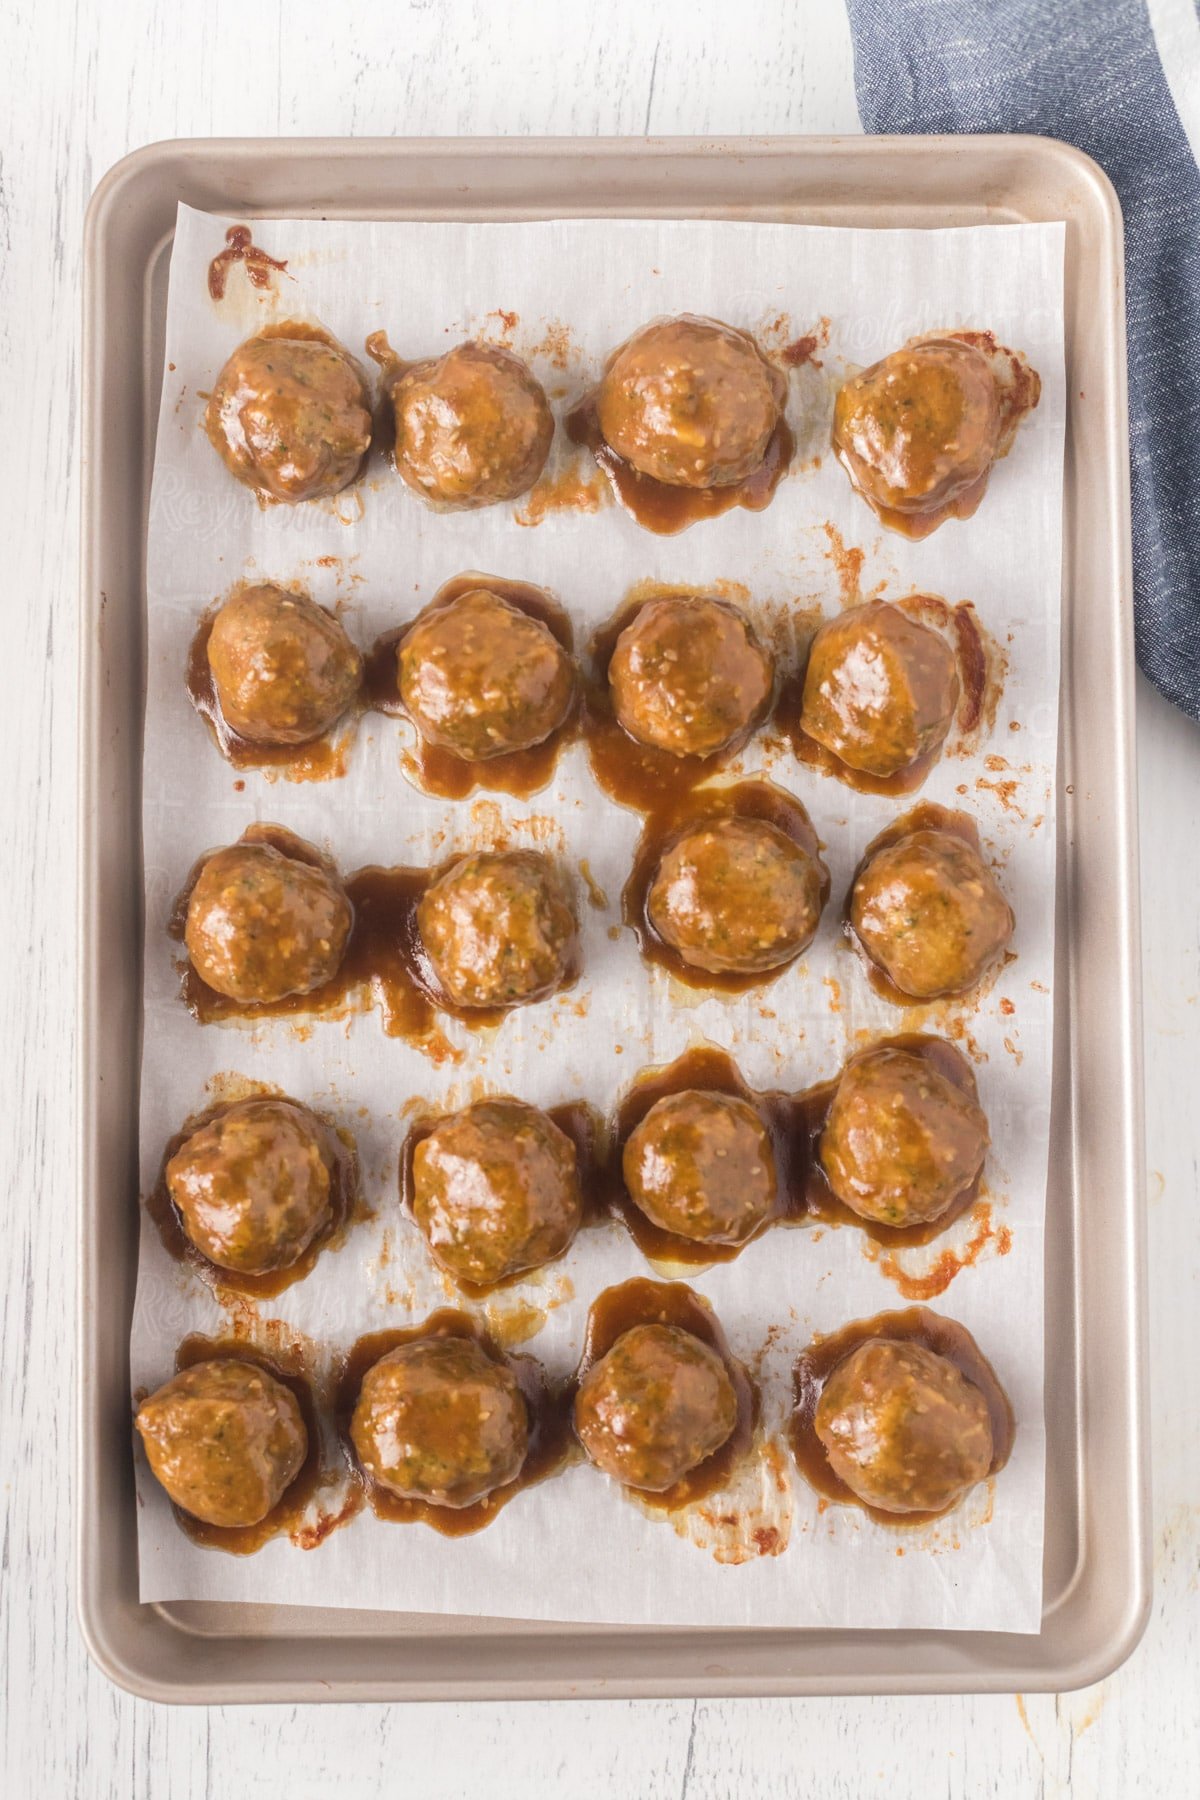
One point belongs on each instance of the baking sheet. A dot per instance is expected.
(575, 1548)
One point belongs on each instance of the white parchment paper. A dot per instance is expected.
(563, 294)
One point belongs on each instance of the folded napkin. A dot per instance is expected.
(1090, 72)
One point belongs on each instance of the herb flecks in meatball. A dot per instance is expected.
(499, 929)
(225, 1439)
(736, 895)
(440, 1420)
(262, 925)
(880, 689)
(283, 669)
(481, 678)
(690, 402)
(496, 1191)
(252, 1187)
(928, 911)
(472, 427)
(701, 1165)
(902, 1142)
(290, 416)
(903, 1428)
(689, 676)
(655, 1406)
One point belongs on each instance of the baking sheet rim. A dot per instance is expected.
(815, 153)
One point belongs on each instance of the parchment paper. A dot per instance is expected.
(563, 294)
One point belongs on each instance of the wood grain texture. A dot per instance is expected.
(80, 86)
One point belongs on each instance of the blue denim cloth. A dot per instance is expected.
(1087, 71)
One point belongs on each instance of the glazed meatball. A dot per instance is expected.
(927, 910)
(225, 1439)
(252, 1187)
(262, 925)
(688, 675)
(902, 1142)
(290, 416)
(442, 1421)
(283, 669)
(880, 689)
(496, 1190)
(659, 1403)
(920, 428)
(903, 1427)
(690, 402)
(701, 1165)
(472, 427)
(481, 678)
(499, 928)
(736, 896)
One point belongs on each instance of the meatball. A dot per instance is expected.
(252, 1187)
(659, 1403)
(499, 928)
(689, 676)
(284, 671)
(481, 678)
(736, 896)
(880, 689)
(917, 430)
(902, 1142)
(903, 1427)
(496, 1190)
(690, 402)
(225, 1439)
(927, 910)
(290, 416)
(701, 1165)
(262, 925)
(472, 427)
(442, 1421)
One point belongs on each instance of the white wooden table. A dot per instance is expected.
(84, 84)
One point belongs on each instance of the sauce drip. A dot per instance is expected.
(918, 525)
(641, 1302)
(378, 348)
(567, 491)
(383, 415)
(970, 652)
(666, 510)
(950, 1262)
(679, 811)
(288, 1513)
(549, 1430)
(241, 248)
(440, 771)
(803, 350)
(581, 1123)
(915, 1324)
(342, 1162)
